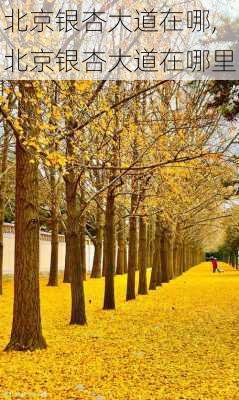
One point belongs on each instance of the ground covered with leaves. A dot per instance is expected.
(179, 342)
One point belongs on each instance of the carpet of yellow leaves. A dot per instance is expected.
(179, 342)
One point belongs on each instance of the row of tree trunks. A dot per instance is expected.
(232, 258)
(100, 244)
(172, 255)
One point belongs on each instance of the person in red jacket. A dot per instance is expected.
(214, 264)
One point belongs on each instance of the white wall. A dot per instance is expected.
(45, 251)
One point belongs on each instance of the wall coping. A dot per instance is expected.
(10, 228)
(44, 236)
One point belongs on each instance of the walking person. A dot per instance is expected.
(214, 264)
(215, 267)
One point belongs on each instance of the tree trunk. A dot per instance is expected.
(180, 262)
(142, 260)
(121, 249)
(68, 267)
(170, 254)
(149, 239)
(185, 245)
(151, 244)
(163, 256)
(97, 262)
(167, 255)
(78, 316)
(109, 253)
(130, 295)
(26, 331)
(126, 251)
(236, 259)
(156, 273)
(189, 257)
(82, 226)
(53, 277)
(137, 251)
(104, 251)
(125, 259)
(6, 134)
(176, 256)
(26, 328)
(83, 245)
